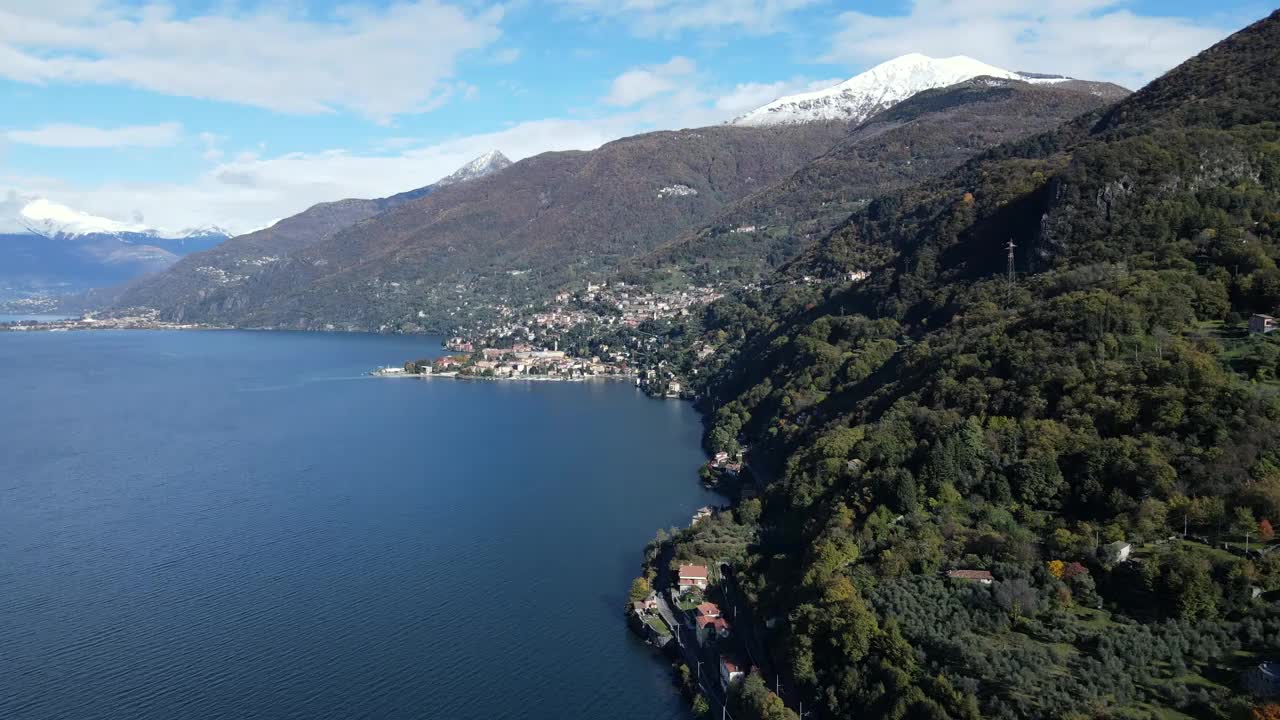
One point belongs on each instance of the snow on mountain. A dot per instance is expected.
(881, 87)
(45, 217)
(487, 164)
(50, 219)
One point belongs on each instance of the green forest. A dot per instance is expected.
(1097, 428)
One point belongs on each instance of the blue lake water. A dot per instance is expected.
(240, 525)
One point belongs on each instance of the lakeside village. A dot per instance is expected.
(690, 610)
(601, 323)
(519, 362)
(140, 319)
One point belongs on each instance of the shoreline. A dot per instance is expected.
(519, 378)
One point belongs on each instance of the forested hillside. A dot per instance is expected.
(1098, 431)
(502, 239)
(211, 283)
(917, 139)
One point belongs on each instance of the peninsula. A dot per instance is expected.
(519, 362)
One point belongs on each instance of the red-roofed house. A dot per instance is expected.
(982, 576)
(707, 609)
(709, 627)
(730, 671)
(692, 576)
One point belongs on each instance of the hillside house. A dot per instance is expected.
(691, 576)
(1262, 324)
(707, 609)
(1118, 552)
(711, 627)
(978, 576)
(730, 671)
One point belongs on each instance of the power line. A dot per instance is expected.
(1012, 273)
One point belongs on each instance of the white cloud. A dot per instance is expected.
(212, 143)
(83, 136)
(645, 83)
(379, 62)
(749, 96)
(672, 17)
(1088, 39)
(506, 56)
(251, 190)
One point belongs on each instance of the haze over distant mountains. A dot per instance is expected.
(48, 248)
(497, 234)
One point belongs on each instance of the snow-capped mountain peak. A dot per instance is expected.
(881, 87)
(487, 164)
(46, 217)
(54, 220)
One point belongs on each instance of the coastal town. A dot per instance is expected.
(518, 362)
(134, 320)
(598, 306)
(605, 330)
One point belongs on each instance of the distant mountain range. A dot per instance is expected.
(504, 237)
(51, 249)
(728, 201)
(879, 88)
(48, 248)
(200, 278)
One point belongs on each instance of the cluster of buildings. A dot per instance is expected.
(711, 627)
(521, 361)
(638, 307)
(145, 319)
(602, 304)
(724, 463)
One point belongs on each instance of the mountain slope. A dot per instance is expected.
(1061, 430)
(879, 88)
(235, 262)
(538, 224)
(928, 134)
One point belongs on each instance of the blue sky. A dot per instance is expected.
(237, 113)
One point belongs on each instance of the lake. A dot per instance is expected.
(241, 525)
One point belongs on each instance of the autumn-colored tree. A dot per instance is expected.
(1075, 569)
(640, 589)
(1265, 531)
(1056, 568)
(1269, 711)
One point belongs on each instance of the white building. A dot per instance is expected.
(730, 671)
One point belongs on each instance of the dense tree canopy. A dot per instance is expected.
(1098, 432)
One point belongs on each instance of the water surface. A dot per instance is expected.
(239, 525)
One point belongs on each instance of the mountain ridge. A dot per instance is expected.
(926, 134)
(533, 226)
(879, 88)
(929, 405)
